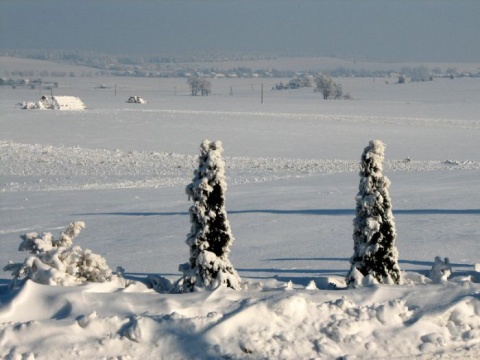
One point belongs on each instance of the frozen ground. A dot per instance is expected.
(292, 177)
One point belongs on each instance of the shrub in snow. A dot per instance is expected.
(375, 255)
(136, 100)
(210, 237)
(58, 262)
(441, 270)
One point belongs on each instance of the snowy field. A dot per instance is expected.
(292, 175)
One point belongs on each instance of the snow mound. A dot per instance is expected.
(276, 323)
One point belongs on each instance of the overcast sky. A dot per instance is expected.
(418, 30)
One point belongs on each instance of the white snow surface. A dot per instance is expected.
(292, 176)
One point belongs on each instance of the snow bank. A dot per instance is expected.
(267, 322)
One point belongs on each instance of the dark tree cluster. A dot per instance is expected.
(199, 85)
(328, 88)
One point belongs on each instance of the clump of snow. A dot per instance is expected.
(311, 286)
(59, 262)
(136, 100)
(441, 270)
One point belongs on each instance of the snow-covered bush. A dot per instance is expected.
(210, 237)
(58, 262)
(375, 255)
(136, 100)
(441, 270)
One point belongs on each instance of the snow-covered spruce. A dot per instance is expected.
(375, 257)
(58, 262)
(210, 237)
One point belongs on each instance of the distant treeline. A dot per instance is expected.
(174, 66)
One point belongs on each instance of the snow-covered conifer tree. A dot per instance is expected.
(210, 237)
(375, 255)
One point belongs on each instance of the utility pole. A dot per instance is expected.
(261, 96)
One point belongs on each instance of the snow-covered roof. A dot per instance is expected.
(67, 103)
(55, 103)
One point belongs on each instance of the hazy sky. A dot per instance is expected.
(419, 30)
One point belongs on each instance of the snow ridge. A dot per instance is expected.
(418, 121)
(51, 168)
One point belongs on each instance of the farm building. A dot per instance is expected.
(55, 103)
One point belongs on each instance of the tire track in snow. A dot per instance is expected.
(33, 167)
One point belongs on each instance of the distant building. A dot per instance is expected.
(55, 103)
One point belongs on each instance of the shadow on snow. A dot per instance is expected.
(321, 212)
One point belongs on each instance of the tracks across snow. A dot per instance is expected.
(33, 167)
(364, 119)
